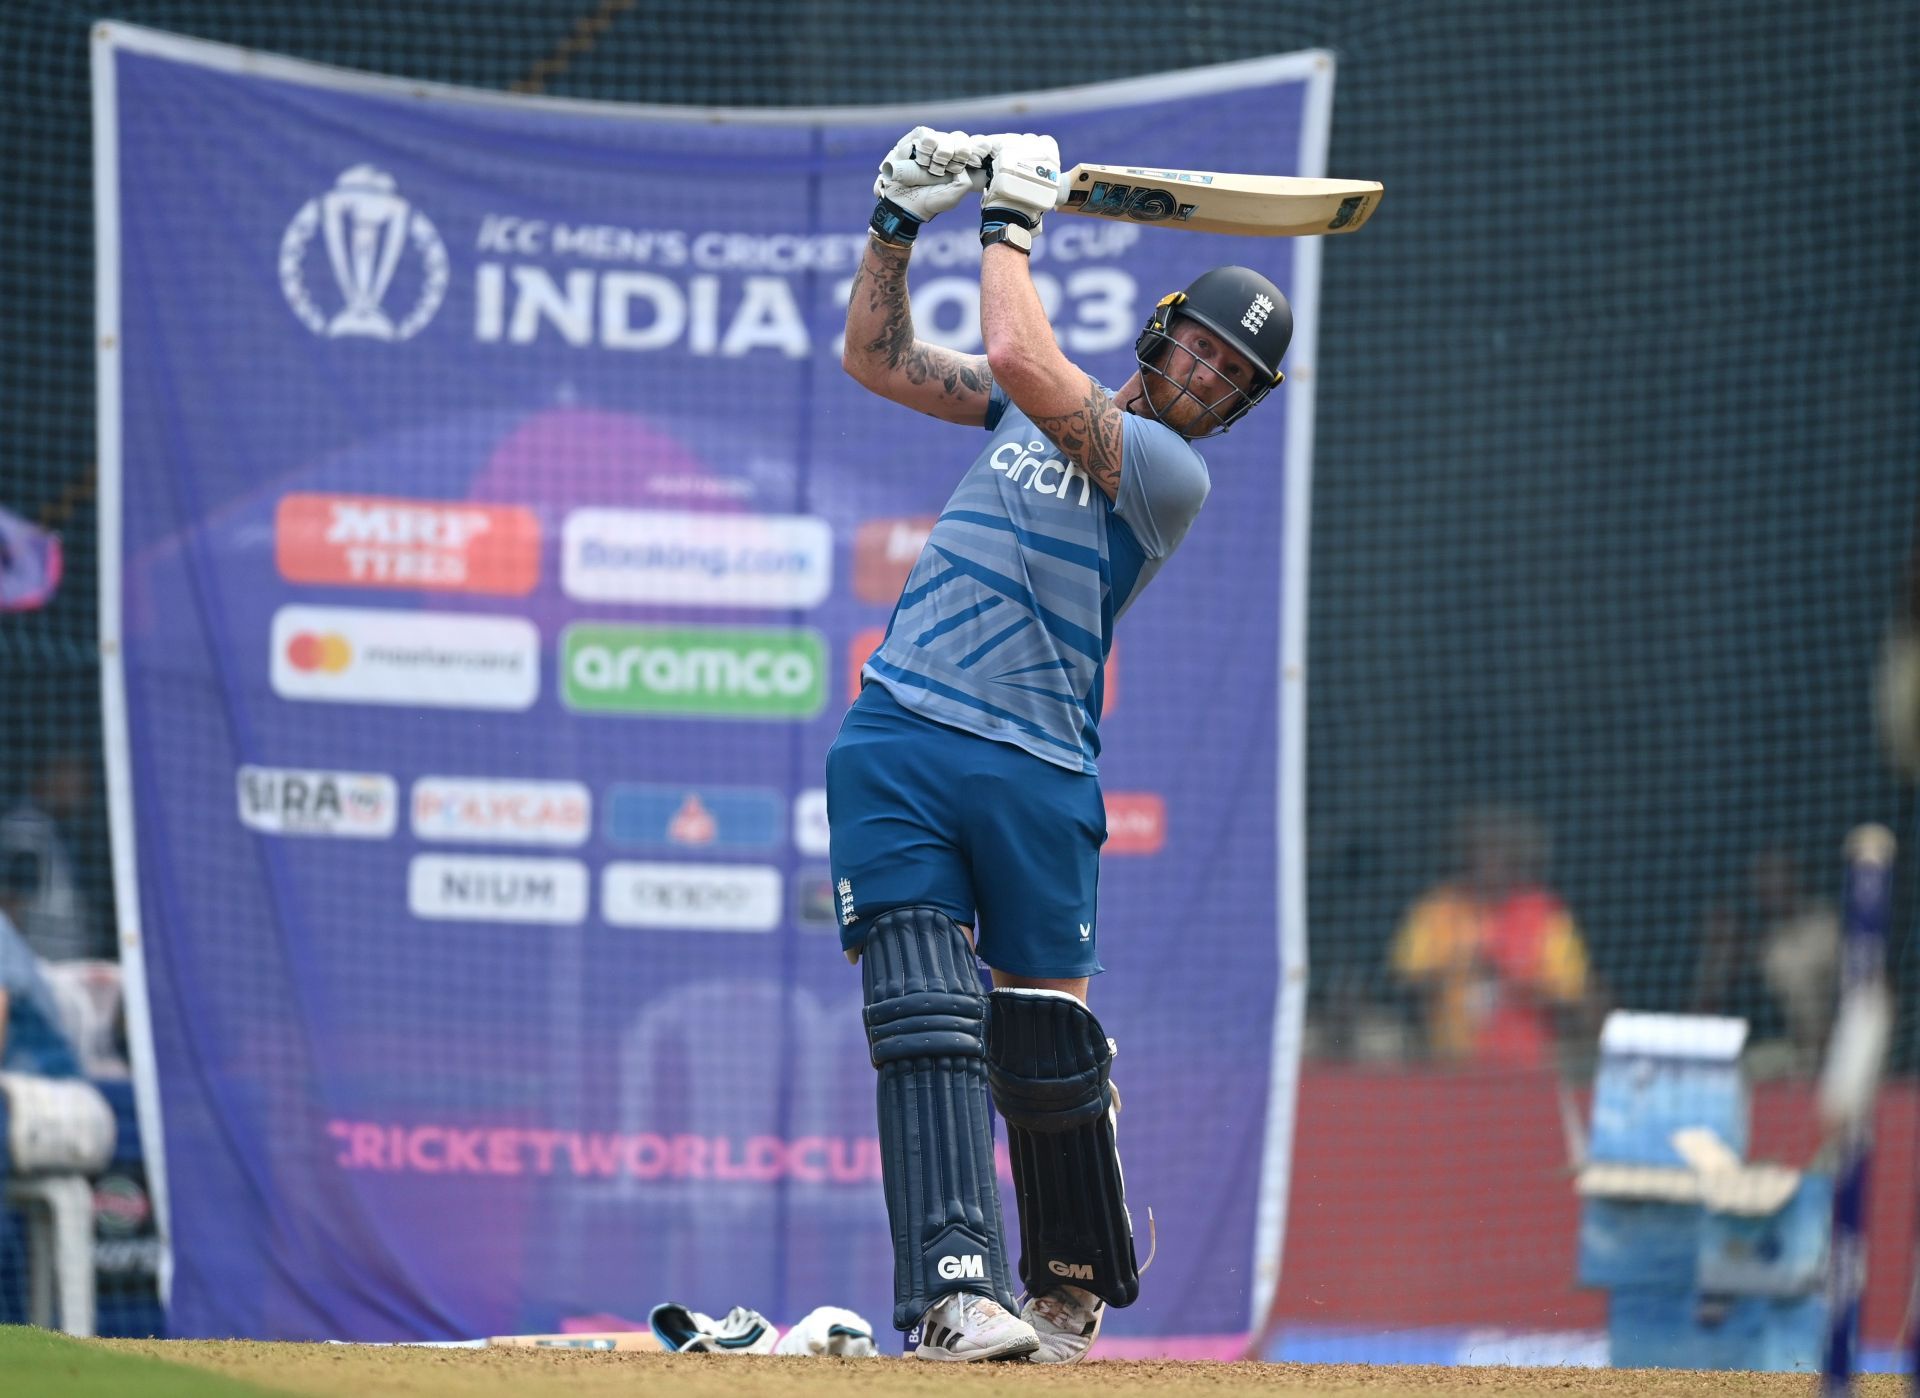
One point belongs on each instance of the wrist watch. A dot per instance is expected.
(1010, 233)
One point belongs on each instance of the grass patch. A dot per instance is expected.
(50, 1365)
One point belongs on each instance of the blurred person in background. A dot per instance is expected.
(32, 1041)
(1897, 684)
(1772, 957)
(1492, 953)
(55, 918)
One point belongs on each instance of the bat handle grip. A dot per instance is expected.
(982, 176)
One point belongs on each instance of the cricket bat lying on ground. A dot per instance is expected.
(596, 1339)
(641, 1340)
(1207, 201)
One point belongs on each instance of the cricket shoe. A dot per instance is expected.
(964, 1326)
(1067, 1321)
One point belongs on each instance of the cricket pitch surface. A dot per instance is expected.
(364, 1372)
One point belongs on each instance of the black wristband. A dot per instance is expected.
(892, 224)
(1008, 226)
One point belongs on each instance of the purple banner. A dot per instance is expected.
(498, 540)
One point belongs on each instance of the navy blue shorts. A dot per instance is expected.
(924, 815)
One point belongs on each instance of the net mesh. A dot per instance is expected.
(1614, 492)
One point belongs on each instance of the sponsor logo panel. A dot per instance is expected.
(434, 545)
(884, 551)
(686, 558)
(496, 888)
(437, 660)
(859, 651)
(688, 817)
(1136, 822)
(814, 903)
(691, 897)
(301, 801)
(708, 672)
(482, 811)
(810, 833)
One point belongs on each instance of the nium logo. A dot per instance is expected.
(716, 672)
(1257, 312)
(478, 811)
(365, 655)
(687, 558)
(441, 546)
(367, 229)
(495, 888)
(691, 897)
(970, 1267)
(292, 801)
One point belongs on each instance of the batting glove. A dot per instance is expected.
(926, 173)
(1024, 183)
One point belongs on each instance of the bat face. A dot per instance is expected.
(1262, 206)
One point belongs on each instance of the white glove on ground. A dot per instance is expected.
(1026, 174)
(830, 1330)
(684, 1331)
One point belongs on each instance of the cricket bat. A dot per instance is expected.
(641, 1340)
(1210, 201)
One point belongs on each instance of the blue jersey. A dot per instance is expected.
(1004, 625)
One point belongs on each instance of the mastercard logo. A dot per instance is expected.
(325, 651)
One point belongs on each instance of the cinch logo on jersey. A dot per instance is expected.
(1049, 475)
(810, 833)
(465, 809)
(496, 888)
(884, 551)
(290, 801)
(691, 897)
(685, 558)
(1136, 822)
(686, 817)
(371, 541)
(437, 660)
(713, 672)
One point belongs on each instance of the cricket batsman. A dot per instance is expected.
(962, 790)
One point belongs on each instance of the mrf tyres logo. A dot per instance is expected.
(699, 672)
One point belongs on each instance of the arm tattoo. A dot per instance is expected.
(1091, 435)
(885, 280)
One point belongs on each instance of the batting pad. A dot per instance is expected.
(1049, 1064)
(925, 1017)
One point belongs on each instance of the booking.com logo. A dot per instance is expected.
(326, 651)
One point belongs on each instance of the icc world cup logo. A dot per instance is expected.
(366, 229)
